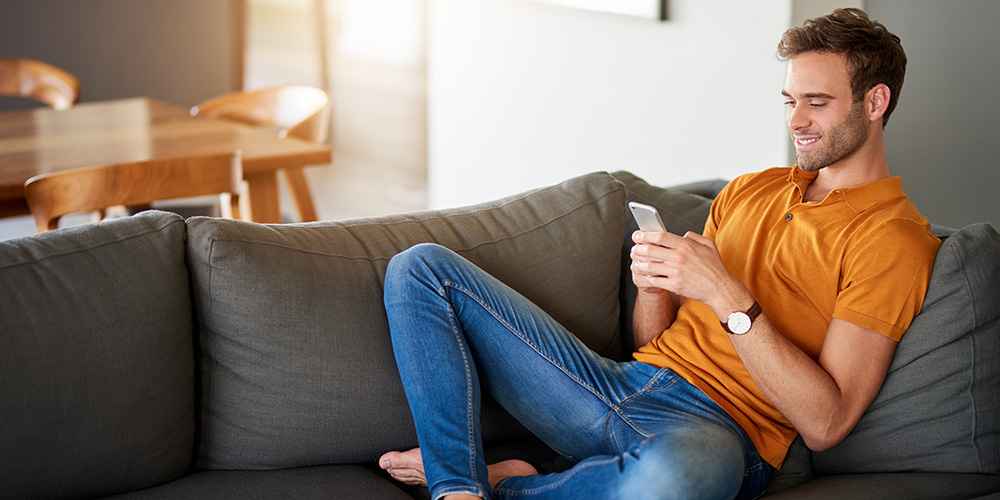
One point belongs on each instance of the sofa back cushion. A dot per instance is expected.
(939, 409)
(296, 361)
(97, 359)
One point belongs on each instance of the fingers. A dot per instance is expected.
(654, 238)
(645, 273)
(685, 265)
(648, 257)
(699, 239)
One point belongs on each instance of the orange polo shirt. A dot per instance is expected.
(863, 255)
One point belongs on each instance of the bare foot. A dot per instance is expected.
(407, 467)
(509, 468)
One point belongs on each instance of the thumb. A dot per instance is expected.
(697, 238)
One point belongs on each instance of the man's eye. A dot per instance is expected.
(817, 104)
(789, 103)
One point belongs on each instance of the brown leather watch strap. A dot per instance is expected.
(753, 313)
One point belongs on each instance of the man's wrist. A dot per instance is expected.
(734, 298)
(741, 322)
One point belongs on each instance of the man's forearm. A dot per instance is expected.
(654, 312)
(825, 398)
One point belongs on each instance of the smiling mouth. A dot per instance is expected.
(805, 142)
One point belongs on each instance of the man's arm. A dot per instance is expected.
(655, 308)
(822, 399)
(654, 312)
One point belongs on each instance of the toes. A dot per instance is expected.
(408, 460)
(405, 467)
(388, 460)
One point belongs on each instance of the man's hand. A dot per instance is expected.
(655, 307)
(647, 259)
(686, 266)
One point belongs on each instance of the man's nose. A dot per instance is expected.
(797, 117)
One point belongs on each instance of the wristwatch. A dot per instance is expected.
(740, 322)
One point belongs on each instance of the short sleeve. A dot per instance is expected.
(885, 276)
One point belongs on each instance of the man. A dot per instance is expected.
(781, 319)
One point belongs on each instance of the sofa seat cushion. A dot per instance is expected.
(296, 361)
(908, 485)
(939, 409)
(96, 359)
(356, 482)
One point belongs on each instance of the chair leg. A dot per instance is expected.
(299, 187)
(229, 206)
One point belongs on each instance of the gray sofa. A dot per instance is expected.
(152, 357)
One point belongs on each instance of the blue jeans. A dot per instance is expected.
(634, 431)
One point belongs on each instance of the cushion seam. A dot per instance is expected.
(970, 393)
(206, 392)
(156, 230)
(970, 387)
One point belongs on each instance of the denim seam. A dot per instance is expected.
(619, 409)
(753, 468)
(520, 335)
(457, 490)
(566, 476)
(469, 390)
(523, 338)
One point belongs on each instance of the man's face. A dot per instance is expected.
(825, 124)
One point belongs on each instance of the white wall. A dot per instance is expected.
(524, 94)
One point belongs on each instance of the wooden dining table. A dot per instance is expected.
(43, 140)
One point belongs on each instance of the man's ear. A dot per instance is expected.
(877, 101)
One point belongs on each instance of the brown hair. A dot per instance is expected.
(873, 53)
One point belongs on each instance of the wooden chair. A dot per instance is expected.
(51, 196)
(39, 81)
(297, 110)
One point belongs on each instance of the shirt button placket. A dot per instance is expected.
(788, 217)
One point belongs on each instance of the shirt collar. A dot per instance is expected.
(859, 198)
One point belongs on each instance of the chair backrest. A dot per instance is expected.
(299, 110)
(40, 81)
(51, 196)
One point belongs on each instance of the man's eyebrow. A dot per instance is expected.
(810, 95)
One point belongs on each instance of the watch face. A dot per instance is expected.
(739, 323)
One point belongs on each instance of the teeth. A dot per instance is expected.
(805, 142)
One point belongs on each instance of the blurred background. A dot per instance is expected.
(439, 103)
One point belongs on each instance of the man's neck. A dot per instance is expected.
(868, 164)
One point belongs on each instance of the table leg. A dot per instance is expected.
(262, 188)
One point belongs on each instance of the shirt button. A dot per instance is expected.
(788, 217)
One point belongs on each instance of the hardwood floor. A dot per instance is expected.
(379, 127)
(379, 144)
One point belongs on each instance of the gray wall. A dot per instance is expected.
(943, 137)
(179, 51)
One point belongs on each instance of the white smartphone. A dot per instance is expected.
(647, 217)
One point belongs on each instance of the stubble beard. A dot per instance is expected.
(842, 140)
